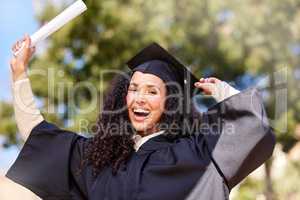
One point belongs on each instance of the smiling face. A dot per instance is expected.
(145, 101)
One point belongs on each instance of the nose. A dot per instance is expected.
(140, 98)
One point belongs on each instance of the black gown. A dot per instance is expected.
(201, 166)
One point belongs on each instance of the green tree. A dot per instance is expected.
(7, 123)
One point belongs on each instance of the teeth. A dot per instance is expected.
(141, 111)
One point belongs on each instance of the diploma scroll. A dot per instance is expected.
(56, 23)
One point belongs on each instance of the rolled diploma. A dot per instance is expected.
(56, 23)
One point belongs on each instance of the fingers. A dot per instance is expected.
(208, 85)
(207, 88)
(209, 80)
(26, 41)
(14, 47)
(17, 46)
(214, 80)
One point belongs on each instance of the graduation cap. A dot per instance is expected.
(156, 60)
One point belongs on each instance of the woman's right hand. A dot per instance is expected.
(19, 63)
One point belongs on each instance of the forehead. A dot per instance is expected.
(146, 78)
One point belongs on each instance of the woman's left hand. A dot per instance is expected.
(218, 89)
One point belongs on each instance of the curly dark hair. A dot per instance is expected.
(112, 144)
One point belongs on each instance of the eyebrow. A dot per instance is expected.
(148, 85)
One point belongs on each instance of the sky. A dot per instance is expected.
(16, 18)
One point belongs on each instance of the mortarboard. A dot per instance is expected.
(156, 60)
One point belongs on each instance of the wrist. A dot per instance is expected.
(20, 76)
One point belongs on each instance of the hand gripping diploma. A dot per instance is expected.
(56, 23)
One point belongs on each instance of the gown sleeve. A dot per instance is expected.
(50, 164)
(238, 135)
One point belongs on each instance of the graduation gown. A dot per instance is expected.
(205, 165)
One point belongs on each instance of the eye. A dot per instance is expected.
(152, 92)
(131, 88)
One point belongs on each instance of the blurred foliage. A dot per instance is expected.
(7, 125)
(248, 42)
(250, 189)
(286, 185)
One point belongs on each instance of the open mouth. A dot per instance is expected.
(141, 112)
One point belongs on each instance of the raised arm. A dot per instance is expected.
(27, 114)
(51, 158)
(239, 136)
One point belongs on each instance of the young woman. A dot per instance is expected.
(159, 155)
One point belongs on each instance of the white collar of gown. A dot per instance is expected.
(140, 140)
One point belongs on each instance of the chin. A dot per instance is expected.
(142, 127)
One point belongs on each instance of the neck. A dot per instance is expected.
(148, 132)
